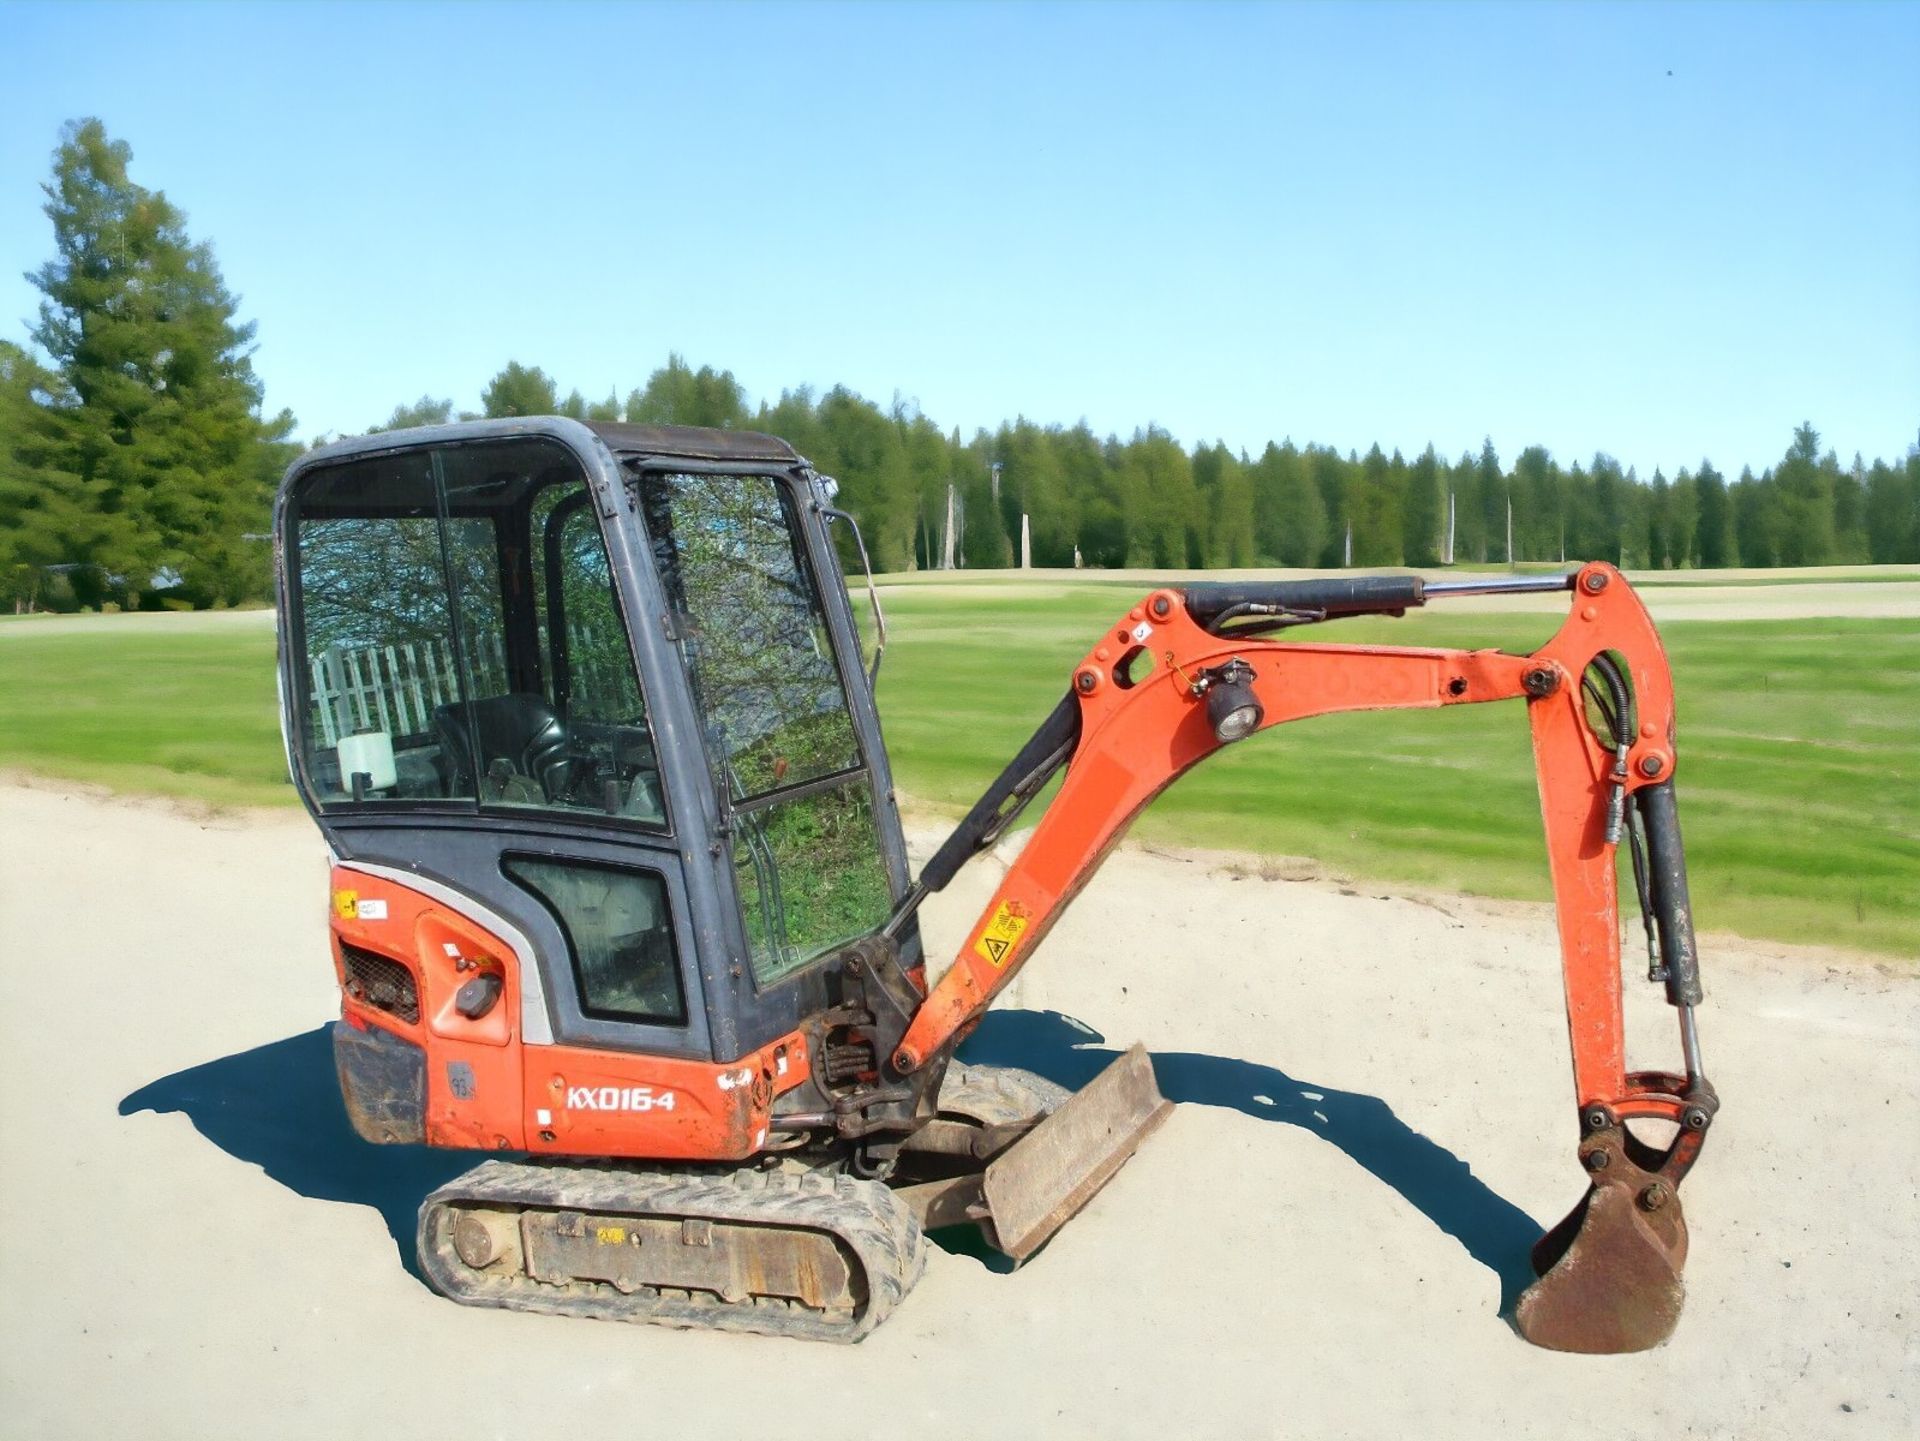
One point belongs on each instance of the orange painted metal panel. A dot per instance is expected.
(559, 1099)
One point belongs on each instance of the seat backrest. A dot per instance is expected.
(520, 729)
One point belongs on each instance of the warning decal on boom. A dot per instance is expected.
(998, 939)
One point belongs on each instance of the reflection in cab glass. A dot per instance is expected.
(780, 737)
(462, 640)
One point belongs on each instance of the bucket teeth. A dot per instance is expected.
(1610, 1271)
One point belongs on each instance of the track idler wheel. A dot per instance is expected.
(1610, 1272)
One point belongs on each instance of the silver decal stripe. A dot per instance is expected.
(536, 1026)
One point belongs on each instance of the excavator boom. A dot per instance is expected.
(1176, 679)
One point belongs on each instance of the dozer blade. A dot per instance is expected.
(1610, 1272)
(1034, 1188)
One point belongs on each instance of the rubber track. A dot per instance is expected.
(878, 1231)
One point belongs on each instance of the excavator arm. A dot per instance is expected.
(1187, 672)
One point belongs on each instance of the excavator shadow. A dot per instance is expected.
(1434, 1181)
(278, 1107)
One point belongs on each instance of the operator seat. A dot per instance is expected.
(521, 740)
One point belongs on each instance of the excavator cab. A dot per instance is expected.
(606, 682)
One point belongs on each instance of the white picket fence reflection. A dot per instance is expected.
(397, 688)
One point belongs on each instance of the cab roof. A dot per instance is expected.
(692, 442)
(626, 442)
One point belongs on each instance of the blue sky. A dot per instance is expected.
(1339, 223)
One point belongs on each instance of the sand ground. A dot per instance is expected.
(1374, 1120)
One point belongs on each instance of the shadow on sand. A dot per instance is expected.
(1434, 1181)
(277, 1106)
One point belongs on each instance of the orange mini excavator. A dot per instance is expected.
(619, 890)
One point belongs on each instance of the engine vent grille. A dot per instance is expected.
(381, 982)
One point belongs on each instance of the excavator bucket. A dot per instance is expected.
(1034, 1188)
(1610, 1272)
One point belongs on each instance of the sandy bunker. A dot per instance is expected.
(1373, 1122)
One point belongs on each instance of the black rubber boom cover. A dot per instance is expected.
(1207, 601)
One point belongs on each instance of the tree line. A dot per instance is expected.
(137, 466)
(1147, 501)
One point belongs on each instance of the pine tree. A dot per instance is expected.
(1636, 501)
(1375, 504)
(1226, 492)
(1094, 482)
(1606, 539)
(1658, 537)
(1805, 500)
(1582, 515)
(1537, 520)
(1683, 521)
(1715, 542)
(1328, 475)
(1166, 523)
(33, 525)
(929, 466)
(985, 542)
(863, 450)
(1032, 484)
(1290, 519)
(1893, 513)
(1490, 498)
(1469, 533)
(1756, 518)
(153, 430)
(1850, 513)
(1422, 517)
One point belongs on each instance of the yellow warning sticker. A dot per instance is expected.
(1002, 933)
(346, 904)
(610, 1235)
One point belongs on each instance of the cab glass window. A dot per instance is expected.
(759, 654)
(462, 638)
(377, 663)
(619, 936)
(811, 876)
(752, 630)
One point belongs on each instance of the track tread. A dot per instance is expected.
(875, 1226)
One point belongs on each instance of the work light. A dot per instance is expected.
(1233, 710)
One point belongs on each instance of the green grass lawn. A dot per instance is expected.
(1799, 775)
(190, 714)
(1799, 743)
